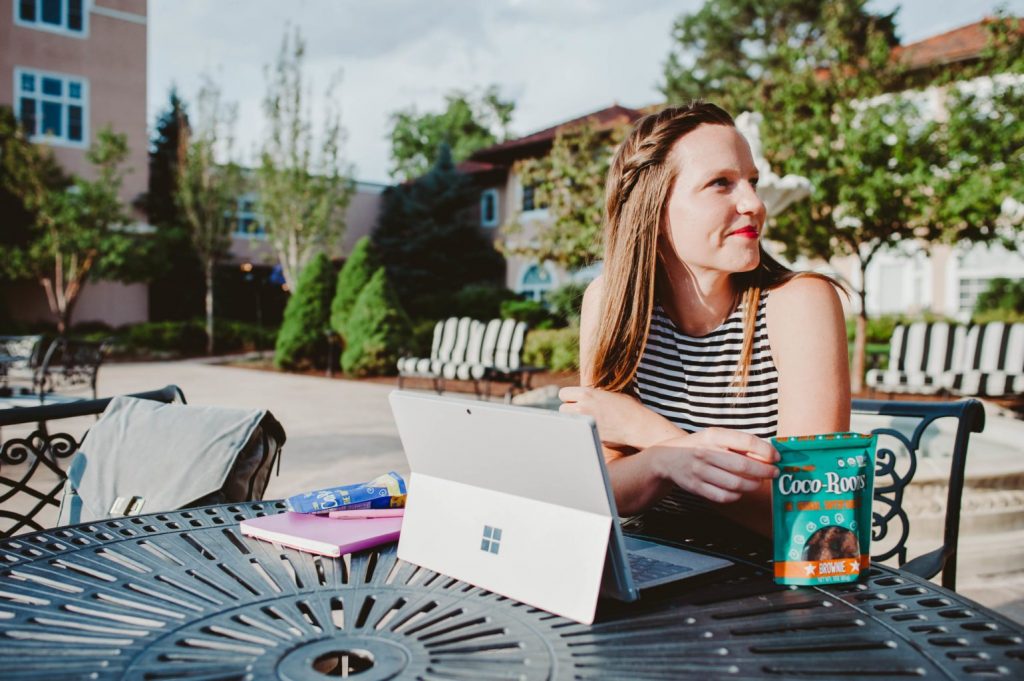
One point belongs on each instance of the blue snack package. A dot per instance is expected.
(385, 491)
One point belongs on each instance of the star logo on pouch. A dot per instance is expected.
(809, 569)
(854, 567)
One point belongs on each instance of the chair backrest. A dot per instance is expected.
(27, 349)
(31, 475)
(508, 348)
(895, 467)
(70, 364)
(926, 347)
(475, 345)
(451, 346)
(995, 346)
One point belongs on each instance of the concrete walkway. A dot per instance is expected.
(342, 431)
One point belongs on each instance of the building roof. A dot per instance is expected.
(537, 143)
(960, 44)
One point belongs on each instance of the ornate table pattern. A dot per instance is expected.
(183, 595)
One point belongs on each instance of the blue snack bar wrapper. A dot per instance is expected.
(385, 491)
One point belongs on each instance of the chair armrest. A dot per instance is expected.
(929, 564)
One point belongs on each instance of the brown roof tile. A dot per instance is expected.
(966, 42)
(603, 119)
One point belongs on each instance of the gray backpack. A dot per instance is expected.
(143, 456)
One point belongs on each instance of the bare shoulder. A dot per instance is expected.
(590, 313)
(595, 289)
(592, 298)
(803, 296)
(801, 314)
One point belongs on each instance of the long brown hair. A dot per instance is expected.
(639, 181)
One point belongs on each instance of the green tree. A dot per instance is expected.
(428, 241)
(1002, 294)
(734, 52)
(176, 291)
(304, 186)
(76, 232)
(302, 340)
(166, 154)
(378, 330)
(22, 165)
(208, 189)
(469, 122)
(353, 277)
(981, 141)
(570, 182)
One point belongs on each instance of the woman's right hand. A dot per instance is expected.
(733, 441)
(718, 464)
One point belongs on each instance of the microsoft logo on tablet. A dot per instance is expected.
(492, 539)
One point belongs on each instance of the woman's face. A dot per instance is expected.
(714, 217)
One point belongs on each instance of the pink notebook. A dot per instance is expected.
(319, 534)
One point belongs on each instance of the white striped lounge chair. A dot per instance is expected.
(470, 350)
(992, 362)
(451, 338)
(921, 355)
(495, 349)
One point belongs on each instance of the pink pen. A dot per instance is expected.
(362, 513)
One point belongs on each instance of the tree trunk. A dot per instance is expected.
(860, 343)
(60, 307)
(209, 307)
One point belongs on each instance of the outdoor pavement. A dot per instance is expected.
(342, 431)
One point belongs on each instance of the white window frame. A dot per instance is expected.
(62, 29)
(64, 100)
(534, 291)
(491, 194)
(240, 215)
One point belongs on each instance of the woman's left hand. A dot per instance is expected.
(622, 421)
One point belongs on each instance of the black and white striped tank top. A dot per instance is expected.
(688, 379)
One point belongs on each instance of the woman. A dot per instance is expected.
(694, 343)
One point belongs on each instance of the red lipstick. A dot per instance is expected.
(746, 232)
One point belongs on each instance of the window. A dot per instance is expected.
(535, 282)
(489, 208)
(52, 107)
(528, 191)
(249, 223)
(970, 289)
(530, 202)
(59, 16)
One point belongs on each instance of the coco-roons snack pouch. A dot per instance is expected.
(821, 507)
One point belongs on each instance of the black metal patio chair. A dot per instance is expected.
(31, 472)
(69, 365)
(20, 359)
(896, 463)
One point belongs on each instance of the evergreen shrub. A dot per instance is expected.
(354, 275)
(429, 239)
(302, 340)
(480, 301)
(422, 337)
(555, 349)
(529, 311)
(378, 330)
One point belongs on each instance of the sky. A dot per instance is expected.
(557, 59)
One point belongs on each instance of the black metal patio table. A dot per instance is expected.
(183, 595)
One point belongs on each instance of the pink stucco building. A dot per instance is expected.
(69, 68)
